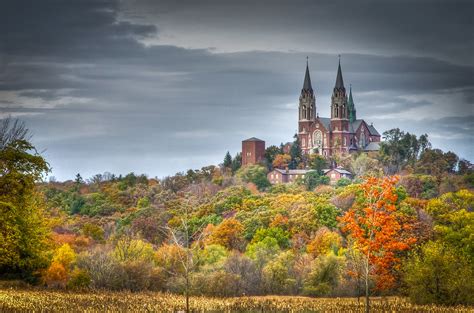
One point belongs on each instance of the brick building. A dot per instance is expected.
(253, 151)
(342, 132)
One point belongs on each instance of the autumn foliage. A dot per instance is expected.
(377, 229)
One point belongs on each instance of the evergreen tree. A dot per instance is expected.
(227, 160)
(295, 153)
(236, 162)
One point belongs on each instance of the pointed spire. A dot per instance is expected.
(307, 79)
(351, 107)
(339, 80)
(351, 101)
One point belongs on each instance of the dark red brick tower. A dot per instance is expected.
(339, 116)
(253, 151)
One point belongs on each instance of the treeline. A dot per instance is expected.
(225, 231)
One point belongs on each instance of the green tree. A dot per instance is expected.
(281, 236)
(400, 149)
(438, 274)
(324, 277)
(227, 160)
(314, 179)
(255, 174)
(318, 163)
(23, 235)
(295, 153)
(236, 162)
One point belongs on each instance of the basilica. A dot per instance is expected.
(342, 132)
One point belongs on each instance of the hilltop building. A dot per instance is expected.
(279, 176)
(253, 151)
(340, 133)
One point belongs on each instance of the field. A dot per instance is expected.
(12, 300)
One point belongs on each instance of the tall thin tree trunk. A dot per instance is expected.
(367, 299)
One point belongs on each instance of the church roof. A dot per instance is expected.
(294, 172)
(373, 146)
(372, 130)
(356, 124)
(326, 121)
(307, 80)
(252, 139)
(339, 80)
(337, 169)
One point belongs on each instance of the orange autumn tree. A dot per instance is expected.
(377, 230)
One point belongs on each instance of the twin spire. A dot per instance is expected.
(307, 87)
(307, 79)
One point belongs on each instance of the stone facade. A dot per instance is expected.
(339, 134)
(253, 151)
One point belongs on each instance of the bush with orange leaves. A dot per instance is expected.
(227, 234)
(58, 272)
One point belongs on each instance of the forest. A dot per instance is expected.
(404, 226)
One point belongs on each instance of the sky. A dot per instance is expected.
(161, 86)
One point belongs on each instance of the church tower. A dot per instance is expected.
(339, 115)
(351, 107)
(306, 110)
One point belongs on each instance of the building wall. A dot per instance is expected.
(252, 152)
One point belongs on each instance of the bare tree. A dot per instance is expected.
(11, 130)
(188, 241)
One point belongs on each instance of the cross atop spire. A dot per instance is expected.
(339, 80)
(307, 79)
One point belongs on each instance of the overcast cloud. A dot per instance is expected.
(155, 87)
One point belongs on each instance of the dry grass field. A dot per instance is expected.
(12, 300)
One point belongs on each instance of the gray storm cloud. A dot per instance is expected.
(156, 87)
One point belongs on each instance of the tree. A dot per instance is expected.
(186, 241)
(227, 234)
(318, 163)
(281, 161)
(464, 167)
(270, 154)
(281, 236)
(12, 130)
(255, 174)
(435, 162)
(400, 149)
(438, 274)
(324, 277)
(372, 223)
(324, 241)
(364, 165)
(295, 153)
(227, 160)
(236, 162)
(24, 232)
(313, 179)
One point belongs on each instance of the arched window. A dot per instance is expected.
(317, 139)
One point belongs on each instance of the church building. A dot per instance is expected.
(340, 133)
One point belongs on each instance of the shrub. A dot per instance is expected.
(79, 279)
(56, 275)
